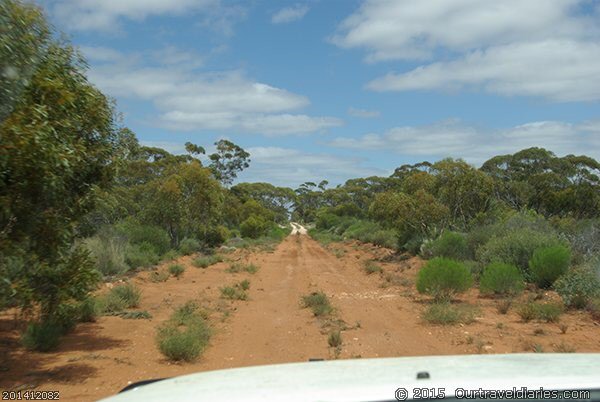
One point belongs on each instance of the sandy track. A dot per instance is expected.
(98, 359)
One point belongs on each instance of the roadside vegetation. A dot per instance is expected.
(82, 201)
(318, 302)
(185, 335)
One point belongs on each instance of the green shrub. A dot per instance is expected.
(189, 246)
(66, 316)
(593, 307)
(578, 287)
(176, 270)
(111, 303)
(370, 268)
(185, 335)
(254, 227)
(42, 337)
(501, 279)
(448, 314)
(548, 264)
(516, 248)
(383, 238)
(156, 238)
(170, 255)
(318, 303)
(141, 255)
(450, 245)
(326, 220)
(442, 278)
(184, 313)
(89, 309)
(136, 315)
(216, 235)
(334, 339)
(237, 267)
(127, 295)
(108, 254)
(236, 292)
(204, 262)
(159, 276)
(548, 312)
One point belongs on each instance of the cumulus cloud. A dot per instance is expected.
(291, 167)
(190, 100)
(527, 48)
(363, 113)
(476, 144)
(106, 15)
(289, 14)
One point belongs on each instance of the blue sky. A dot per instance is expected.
(336, 89)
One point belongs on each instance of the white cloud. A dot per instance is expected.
(363, 113)
(475, 144)
(407, 29)
(106, 15)
(291, 167)
(289, 14)
(558, 70)
(541, 48)
(190, 100)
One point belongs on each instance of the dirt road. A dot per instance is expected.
(378, 318)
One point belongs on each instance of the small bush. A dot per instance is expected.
(216, 235)
(89, 309)
(371, 268)
(205, 262)
(176, 270)
(234, 293)
(501, 279)
(318, 303)
(443, 278)
(185, 313)
(136, 315)
(516, 248)
(159, 276)
(564, 348)
(154, 237)
(189, 246)
(578, 287)
(594, 308)
(129, 293)
(549, 312)
(141, 256)
(236, 268)
(119, 298)
(383, 238)
(503, 306)
(108, 253)
(111, 303)
(66, 316)
(334, 339)
(254, 227)
(450, 245)
(448, 314)
(42, 337)
(548, 264)
(245, 284)
(170, 255)
(183, 341)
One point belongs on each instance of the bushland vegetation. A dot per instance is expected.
(526, 219)
(81, 200)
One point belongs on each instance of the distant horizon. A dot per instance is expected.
(318, 90)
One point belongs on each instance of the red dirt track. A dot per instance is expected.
(98, 359)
